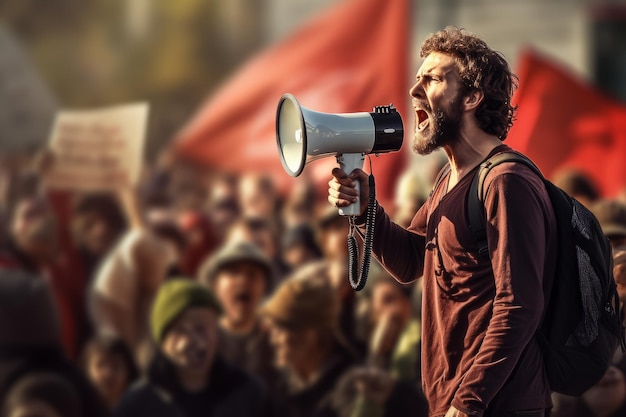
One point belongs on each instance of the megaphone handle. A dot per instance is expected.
(348, 162)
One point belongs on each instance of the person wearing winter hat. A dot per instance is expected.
(240, 276)
(303, 317)
(187, 377)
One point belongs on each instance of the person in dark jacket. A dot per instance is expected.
(187, 377)
(30, 342)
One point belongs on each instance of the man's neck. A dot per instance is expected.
(467, 152)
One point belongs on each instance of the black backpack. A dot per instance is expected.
(582, 325)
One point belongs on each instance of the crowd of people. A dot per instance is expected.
(215, 295)
(203, 293)
(195, 294)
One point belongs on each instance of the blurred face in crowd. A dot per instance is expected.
(223, 204)
(387, 298)
(34, 229)
(298, 254)
(186, 190)
(300, 204)
(334, 238)
(390, 312)
(240, 287)
(258, 231)
(257, 196)
(293, 348)
(107, 371)
(190, 342)
(437, 103)
(94, 232)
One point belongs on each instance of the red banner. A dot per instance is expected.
(565, 123)
(349, 59)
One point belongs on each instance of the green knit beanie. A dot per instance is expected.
(174, 297)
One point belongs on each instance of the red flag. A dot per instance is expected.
(349, 59)
(564, 123)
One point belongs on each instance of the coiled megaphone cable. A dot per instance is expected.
(358, 278)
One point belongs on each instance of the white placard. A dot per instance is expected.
(97, 150)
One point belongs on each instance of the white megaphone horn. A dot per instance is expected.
(304, 135)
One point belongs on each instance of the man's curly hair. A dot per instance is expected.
(483, 69)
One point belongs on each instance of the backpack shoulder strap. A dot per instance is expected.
(476, 196)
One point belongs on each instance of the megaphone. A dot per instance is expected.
(304, 135)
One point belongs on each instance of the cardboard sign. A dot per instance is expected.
(97, 150)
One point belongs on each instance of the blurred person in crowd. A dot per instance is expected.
(309, 349)
(258, 196)
(185, 188)
(97, 223)
(300, 204)
(200, 242)
(42, 395)
(30, 341)
(409, 197)
(332, 232)
(127, 281)
(578, 185)
(299, 246)
(612, 217)
(240, 276)
(109, 364)
(480, 314)
(34, 244)
(394, 337)
(263, 233)
(187, 377)
(393, 352)
(222, 204)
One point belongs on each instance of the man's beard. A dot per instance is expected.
(444, 130)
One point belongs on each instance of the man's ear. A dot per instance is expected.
(473, 99)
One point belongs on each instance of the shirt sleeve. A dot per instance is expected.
(399, 250)
(518, 227)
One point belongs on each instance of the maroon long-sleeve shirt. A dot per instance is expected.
(479, 315)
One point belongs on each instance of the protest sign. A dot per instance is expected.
(97, 150)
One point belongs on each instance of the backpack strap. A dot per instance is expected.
(476, 197)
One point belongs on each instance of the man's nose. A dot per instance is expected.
(417, 91)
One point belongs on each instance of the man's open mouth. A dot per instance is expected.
(422, 119)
